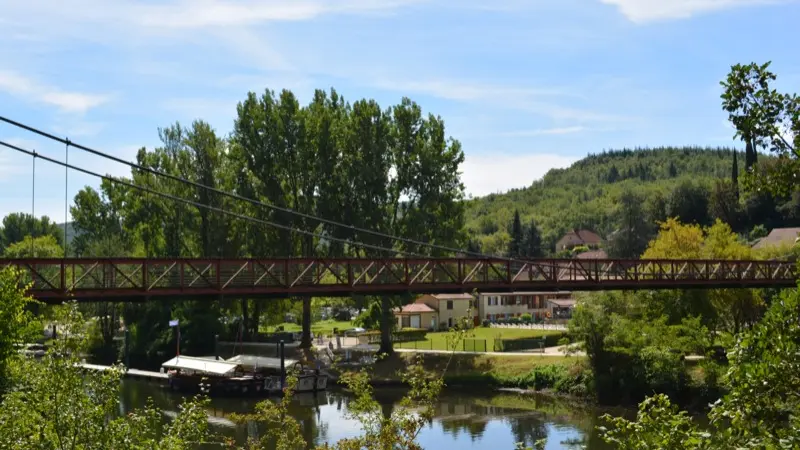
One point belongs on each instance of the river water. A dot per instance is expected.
(464, 420)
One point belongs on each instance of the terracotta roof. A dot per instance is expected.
(594, 254)
(416, 308)
(778, 237)
(453, 296)
(508, 294)
(585, 236)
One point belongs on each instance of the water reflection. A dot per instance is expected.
(462, 420)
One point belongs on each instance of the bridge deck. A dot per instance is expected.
(118, 279)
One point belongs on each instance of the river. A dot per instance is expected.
(464, 420)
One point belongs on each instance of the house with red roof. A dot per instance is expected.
(577, 238)
(436, 311)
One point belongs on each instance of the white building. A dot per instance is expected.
(494, 306)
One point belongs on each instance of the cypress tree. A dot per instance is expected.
(515, 245)
(735, 175)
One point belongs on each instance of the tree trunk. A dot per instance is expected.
(305, 342)
(255, 319)
(387, 323)
(245, 318)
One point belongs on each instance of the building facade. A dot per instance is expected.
(437, 311)
(494, 306)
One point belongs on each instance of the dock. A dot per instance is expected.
(131, 373)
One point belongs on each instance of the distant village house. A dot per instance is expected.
(778, 237)
(577, 238)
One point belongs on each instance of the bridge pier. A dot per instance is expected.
(305, 341)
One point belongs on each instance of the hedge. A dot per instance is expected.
(404, 335)
(511, 345)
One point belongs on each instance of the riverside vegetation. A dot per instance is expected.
(634, 342)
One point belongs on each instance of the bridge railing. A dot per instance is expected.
(96, 278)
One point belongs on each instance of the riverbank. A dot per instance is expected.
(564, 374)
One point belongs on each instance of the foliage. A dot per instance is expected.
(404, 335)
(526, 343)
(371, 318)
(54, 404)
(631, 353)
(761, 409)
(39, 247)
(630, 238)
(764, 119)
(16, 226)
(390, 170)
(729, 309)
(582, 196)
(17, 324)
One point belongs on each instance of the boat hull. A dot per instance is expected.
(247, 387)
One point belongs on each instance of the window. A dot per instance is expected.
(449, 304)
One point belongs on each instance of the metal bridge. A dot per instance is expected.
(126, 279)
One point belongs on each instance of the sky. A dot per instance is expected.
(525, 85)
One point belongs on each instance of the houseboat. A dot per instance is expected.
(309, 379)
(214, 377)
(242, 375)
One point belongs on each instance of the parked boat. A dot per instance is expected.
(309, 379)
(215, 377)
(240, 375)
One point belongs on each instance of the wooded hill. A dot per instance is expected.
(586, 195)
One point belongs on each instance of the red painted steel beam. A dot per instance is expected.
(132, 279)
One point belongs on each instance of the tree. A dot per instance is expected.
(55, 404)
(735, 175)
(672, 171)
(40, 247)
(18, 225)
(632, 234)
(532, 242)
(724, 204)
(516, 232)
(613, 175)
(17, 324)
(728, 308)
(760, 411)
(764, 118)
(689, 203)
(94, 218)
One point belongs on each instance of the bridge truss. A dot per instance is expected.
(124, 279)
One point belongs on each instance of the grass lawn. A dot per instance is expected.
(324, 327)
(438, 340)
(464, 367)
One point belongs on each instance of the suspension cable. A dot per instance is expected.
(247, 199)
(33, 198)
(66, 193)
(209, 207)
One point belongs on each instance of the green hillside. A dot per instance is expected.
(585, 195)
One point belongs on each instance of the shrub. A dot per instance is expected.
(404, 335)
(526, 318)
(486, 323)
(510, 345)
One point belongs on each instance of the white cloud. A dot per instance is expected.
(545, 131)
(186, 14)
(466, 91)
(539, 101)
(71, 102)
(205, 13)
(643, 11)
(487, 174)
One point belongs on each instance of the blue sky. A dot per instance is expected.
(526, 85)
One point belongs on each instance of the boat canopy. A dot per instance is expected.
(201, 365)
(252, 361)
